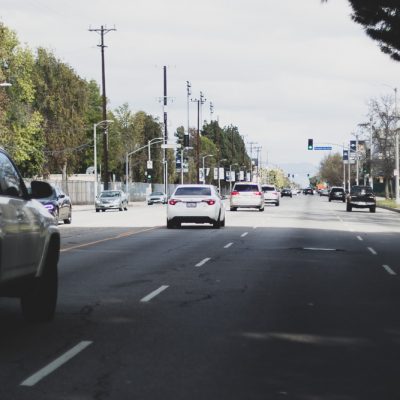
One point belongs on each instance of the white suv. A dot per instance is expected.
(247, 195)
(29, 244)
(271, 195)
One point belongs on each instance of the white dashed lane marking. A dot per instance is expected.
(389, 270)
(360, 238)
(202, 262)
(372, 251)
(228, 245)
(150, 296)
(244, 234)
(57, 363)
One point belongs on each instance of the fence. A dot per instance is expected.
(82, 192)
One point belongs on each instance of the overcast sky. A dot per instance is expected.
(282, 71)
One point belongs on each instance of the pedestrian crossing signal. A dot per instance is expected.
(310, 144)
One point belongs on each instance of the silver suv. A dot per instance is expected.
(247, 195)
(29, 244)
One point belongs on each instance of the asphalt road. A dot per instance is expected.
(299, 302)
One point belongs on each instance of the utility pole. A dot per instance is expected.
(103, 31)
(186, 142)
(251, 160)
(200, 101)
(211, 111)
(165, 103)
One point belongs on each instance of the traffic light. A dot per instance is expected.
(149, 175)
(186, 141)
(310, 144)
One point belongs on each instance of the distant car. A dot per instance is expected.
(294, 192)
(286, 193)
(324, 192)
(111, 200)
(271, 195)
(361, 197)
(157, 197)
(59, 205)
(337, 193)
(30, 244)
(308, 191)
(199, 204)
(247, 195)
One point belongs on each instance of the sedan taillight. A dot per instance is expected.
(209, 202)
(234, 193)
(258, 193)
(172, 202)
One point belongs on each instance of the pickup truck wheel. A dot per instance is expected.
(38, 302)
(372, 209)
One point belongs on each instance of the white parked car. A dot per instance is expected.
(157, 197)
(197, 204)
(111, 200)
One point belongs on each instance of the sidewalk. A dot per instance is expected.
(90, 207)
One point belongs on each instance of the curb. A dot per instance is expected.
(389, 209)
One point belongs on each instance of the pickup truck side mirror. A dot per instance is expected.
(40, 190)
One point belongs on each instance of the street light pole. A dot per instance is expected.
(397, 149)
(219, 175)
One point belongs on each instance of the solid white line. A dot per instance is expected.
(154, 294)
(360, 238)
(318, 249)
(202, 262)
(35, 378)
(244, 234)
(372, 251)
(389, 270)
(228, 245)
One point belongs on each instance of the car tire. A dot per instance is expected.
(233, 208)
(372, 209)
(223, 223)
(69, 219)
(277, 204)
(349, 208)
(120, 209)
(149, 203)
(103, 210)
(170, 224)
(57, 215)
(39, 300)
(217, 223)
(97, 210)
(261, 209)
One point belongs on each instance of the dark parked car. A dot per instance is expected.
(337, 193)
(286, 192)
(361, 197)
(59, 205)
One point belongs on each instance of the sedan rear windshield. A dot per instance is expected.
(268, 188)
(110, 194)
(246, 188)
(360, 190)
(193, 191)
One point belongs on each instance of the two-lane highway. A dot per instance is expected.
(298, 302)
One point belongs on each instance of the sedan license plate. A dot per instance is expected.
(191, 205)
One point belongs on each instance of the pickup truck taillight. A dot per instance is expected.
(234, 193)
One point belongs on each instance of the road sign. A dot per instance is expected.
(345, 155)
(149, 164)
(353, 146)
(171, 146)
(322, 147)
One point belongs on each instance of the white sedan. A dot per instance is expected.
(197, 204)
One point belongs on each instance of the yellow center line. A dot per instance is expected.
(121, 235)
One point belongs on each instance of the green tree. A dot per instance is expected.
(381, 21)
(62, 99)
(331, 169)
(20, 125)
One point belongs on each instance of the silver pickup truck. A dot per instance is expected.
(29, 244)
